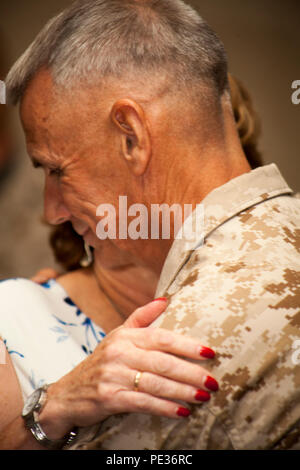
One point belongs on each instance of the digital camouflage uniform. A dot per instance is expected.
(238, 293)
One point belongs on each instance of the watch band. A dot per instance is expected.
(57, 444)
(32, 423)
(40, 436)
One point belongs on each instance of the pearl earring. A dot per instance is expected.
(88, 257)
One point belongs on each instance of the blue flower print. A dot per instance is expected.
(10, 351)
(34, 382)
(71, 303)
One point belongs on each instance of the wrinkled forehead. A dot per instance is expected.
(49, 115)
(37, 102)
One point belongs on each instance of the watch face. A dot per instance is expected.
(31, 401)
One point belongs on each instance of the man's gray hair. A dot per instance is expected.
(94, 39)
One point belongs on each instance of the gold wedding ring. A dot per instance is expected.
(137, 381)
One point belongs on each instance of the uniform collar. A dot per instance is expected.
(219, 205)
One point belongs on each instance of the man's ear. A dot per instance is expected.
(131, 123)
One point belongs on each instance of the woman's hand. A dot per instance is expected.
(103, 384)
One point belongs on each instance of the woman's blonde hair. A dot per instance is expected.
(247, 122)
(68, 247)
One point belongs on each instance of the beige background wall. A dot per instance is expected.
(262, 38)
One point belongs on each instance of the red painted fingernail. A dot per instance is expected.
(211, 384)
(184, 412)
(207, 352)
(161, 298)
(202, 395)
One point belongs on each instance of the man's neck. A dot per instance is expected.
(193, 188)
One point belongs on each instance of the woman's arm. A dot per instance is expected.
(16, 437)
(13, 434)
(11, 397)
(102, 384)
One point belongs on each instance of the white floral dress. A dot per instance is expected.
(45, 333)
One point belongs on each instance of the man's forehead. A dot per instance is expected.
(37, 99)
(56, 126)
(41, 87)
(46, 101)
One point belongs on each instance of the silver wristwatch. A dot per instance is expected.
(31, 410)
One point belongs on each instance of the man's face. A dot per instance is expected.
(75, 143)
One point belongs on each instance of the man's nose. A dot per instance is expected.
(55, 211)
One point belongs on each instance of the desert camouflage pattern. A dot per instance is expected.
(238, 293)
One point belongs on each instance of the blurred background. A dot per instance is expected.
(262, 38)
